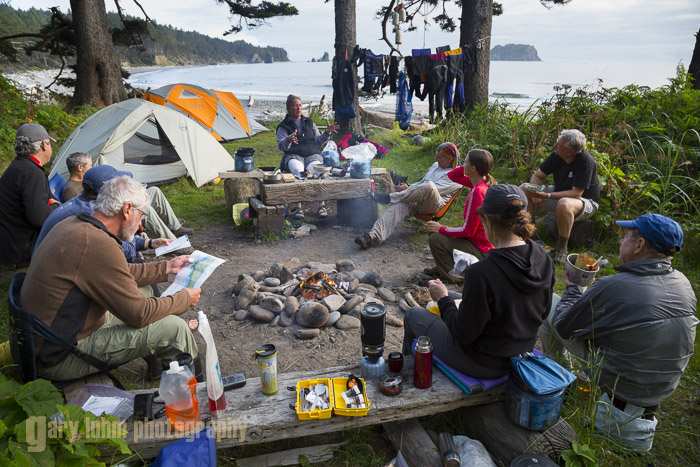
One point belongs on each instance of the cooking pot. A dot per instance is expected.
(273, 177)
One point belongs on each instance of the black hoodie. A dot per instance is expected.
(506, 297)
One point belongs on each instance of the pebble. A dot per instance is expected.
(291, 305)
(272, 282)
(259, 275)
(350, 302)
(241, 315)
(260, 314)
(373, 278)
(359, 274)
(354, 284)
(275, 321)
(331, 340)
(312, 315)
(347, 322)
(393, 321)
(369, 287)
(272, 304)
(332, 318)
(333, 302)
(345, 265)
(285, 319)
(307, 333)
(386, 294)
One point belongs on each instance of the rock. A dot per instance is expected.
(307, 333)
(301, 232)
(303, 273)
(312, 315)
(392, 320)
(357, 273)
(354, 284)
(260, 314)
(311, 227)
(246, 296)
(333, 302)
(350, 302)
(272, 281)
(259, 275)
(332, 318)
(323, 267)
(240, 315)
(344, 265)
(275, 270)
(285, 274)
(373, 278)
(418, 140)
(347, 322)
(262, 295)
(285, 319)
(386, 294)
(243, 280)
(275, 321)
(272, 304)
(403, 305)
(410, 301)
(369, 287)
(331, 339)
(293, 263)
(291, 305)
(355, 312)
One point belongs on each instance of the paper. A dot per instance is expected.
(98, 404)
(179, 244)
(194, 275)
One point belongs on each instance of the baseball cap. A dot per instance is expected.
(662, 233)
(497, 196)
(32, 132)
(95, 177)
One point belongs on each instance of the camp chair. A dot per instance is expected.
(24, 327)
(57, 184)
(438, 215)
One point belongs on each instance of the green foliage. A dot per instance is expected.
(580, 455)
(29, 437)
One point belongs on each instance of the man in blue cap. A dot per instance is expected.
(636, 329)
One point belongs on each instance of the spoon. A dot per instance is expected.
(596, 262)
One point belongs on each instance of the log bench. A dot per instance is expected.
(253, 418)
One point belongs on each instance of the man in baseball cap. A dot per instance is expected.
(26, 197)
(637, 327)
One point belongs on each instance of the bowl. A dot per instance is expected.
(322, 168)
(577, 275)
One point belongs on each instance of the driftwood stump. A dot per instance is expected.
(583, 233)
(238, 190)
(505, 440)
(411, 439)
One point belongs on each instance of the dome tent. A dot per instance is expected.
(220, 112)
(155, 143)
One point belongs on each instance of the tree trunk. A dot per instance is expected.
(475, 28)
(694, 68)
(98, 74)
(345, 41)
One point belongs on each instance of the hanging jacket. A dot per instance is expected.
(375, 70)
(404, 106)
(343, 89)
(420, 67)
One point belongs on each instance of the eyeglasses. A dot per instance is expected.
(143, 214)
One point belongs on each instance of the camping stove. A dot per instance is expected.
(373, 334)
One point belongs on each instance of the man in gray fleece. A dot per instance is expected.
(636, 329)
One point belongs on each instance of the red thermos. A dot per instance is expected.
(423, 361)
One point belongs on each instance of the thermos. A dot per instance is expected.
(448, 451)
(266, 355)
(423, 361)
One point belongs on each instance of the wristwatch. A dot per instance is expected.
(549, 195)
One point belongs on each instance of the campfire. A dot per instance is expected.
(317, 286)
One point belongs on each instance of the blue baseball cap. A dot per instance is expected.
(662, 233)
(96, 176)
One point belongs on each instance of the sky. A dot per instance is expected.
(582, 31)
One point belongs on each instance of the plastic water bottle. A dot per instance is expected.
(215, 388)
(177, 388)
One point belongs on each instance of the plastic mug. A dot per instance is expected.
(395, 361)
(266, 355)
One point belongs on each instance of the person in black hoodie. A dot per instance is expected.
(505, 298)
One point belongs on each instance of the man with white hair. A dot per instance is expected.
(26, 197)
(79, 272)
(575, 194)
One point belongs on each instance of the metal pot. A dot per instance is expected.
(273, 177)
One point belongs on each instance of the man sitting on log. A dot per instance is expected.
(426, 196)
(636, 329)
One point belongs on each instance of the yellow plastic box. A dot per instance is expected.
(336, 387)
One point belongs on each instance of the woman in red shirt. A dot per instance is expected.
(470, 237)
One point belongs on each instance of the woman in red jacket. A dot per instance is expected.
(470, 237)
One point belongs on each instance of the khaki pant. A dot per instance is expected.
(116, 343)
(441, 247)
(160, 220)
(419, 199)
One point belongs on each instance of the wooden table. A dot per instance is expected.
(252, 417)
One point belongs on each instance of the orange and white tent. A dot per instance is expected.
(220, 112)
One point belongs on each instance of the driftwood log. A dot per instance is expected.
(505, 440)
(238, 190)
(415, 445)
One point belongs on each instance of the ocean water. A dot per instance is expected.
(518, 83)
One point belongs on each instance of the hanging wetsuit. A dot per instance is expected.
(454, 97)
(393, 73)
(437, 80)
(419, 72)
(404, 106)
(375, 69)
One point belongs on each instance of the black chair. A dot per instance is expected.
(24, 327)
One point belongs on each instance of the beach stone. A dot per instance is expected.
(240, 315)
(355, 312)
(260, 314)
(291, 285)
(311, 227)
(403, 305)
(272, 304)
(386, 294)
(350, 302)
(332, 318)
(259, 276)
(344, 265)
(301, 232)
(323, 267)
(372, 278)
(303, 273)
(359, 274)
(333, 302)
(291, 305)
(418, 140)
(307, 333)
(347, 322)
(272, 282)
(392, 320)
(354, 284)
(312, 315)
(369, 287)
(246, 296)
(292, 264)
(285, 319)
(243, 280)
(275, 321)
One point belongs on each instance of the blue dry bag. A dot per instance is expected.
(540, 374)
(197, 450)
(404, 106)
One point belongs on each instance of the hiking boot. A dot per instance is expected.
(155, 367)
(382, 198)
(365, 241)
(183, 231)
(322, 212)
(296, 213)
(560, 256)
(431, 271)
